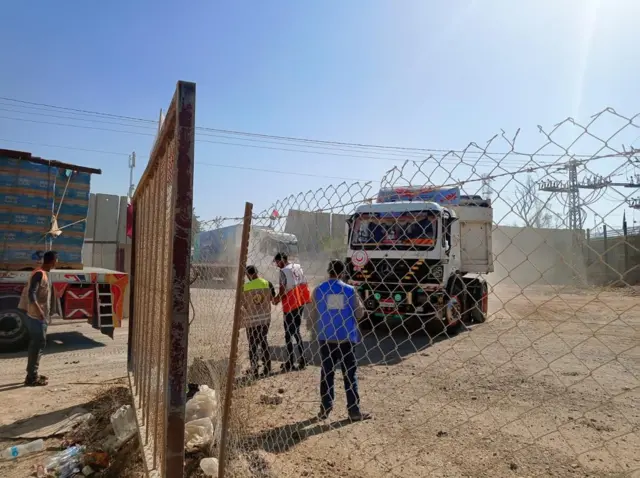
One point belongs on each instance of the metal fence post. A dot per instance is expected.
(179, 280)
(233, 353)
(132, 274)
(159, 307)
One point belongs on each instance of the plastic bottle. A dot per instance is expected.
(61, 459)
(69, 468)
(209, 466)
(14, 452)
(123, 422)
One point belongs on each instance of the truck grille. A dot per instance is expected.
(398, 271)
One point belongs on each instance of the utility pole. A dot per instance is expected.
(132, 165)
(487, 191)
(576, 216)
(572, 188)
(575, 208)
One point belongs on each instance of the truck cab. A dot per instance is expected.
(411, 253)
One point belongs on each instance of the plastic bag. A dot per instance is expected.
(204, 404)
(209, 466)
(198, 433)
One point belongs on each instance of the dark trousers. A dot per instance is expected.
(259, 345)
(292, 321)
(38, 340)
(332, 353)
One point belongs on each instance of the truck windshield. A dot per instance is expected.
(399, 231)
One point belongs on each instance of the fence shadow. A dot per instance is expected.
(46, 425)
(58, 342)
(377, 348)
(283, 438)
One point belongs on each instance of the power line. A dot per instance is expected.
(71, 148)
(97, 113)
(292, 173)
(227, 166)
(404, 156)
(456, 160)
(386, 148)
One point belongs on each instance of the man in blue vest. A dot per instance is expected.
(335, 312)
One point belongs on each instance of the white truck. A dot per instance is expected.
(417, 257)
(216, 253)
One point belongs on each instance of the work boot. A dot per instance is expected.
(39, 381)
(253, 372)
(287, 367)
(267, 369)
(359, 416)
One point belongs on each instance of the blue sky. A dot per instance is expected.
(421, 74)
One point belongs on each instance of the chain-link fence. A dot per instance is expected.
(158, 325)
(488, 342)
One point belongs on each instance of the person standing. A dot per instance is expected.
(258, 294)
(294, 295)
(336, 308)
(35, 300)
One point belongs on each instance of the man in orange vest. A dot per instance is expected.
(294, 295)
(35, 301)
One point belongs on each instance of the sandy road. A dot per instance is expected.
(548, 387)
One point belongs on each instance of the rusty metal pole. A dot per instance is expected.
(132, 275)
(233, 353)
(181, 173)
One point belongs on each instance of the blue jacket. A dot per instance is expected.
(336, 304)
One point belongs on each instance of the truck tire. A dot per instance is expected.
(477, 290)
(477, 316)
(453, 317)
(14, 336)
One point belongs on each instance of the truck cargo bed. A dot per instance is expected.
(32, 192)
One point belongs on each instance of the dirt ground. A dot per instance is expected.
(80, 362)
(549, 386)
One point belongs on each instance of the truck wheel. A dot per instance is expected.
(453, 308)
(13, 329)
(477, 316)
(478, 291)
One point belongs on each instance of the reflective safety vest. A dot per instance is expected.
(296, 288)
(336, 303)
(257, 303)
(43, 296)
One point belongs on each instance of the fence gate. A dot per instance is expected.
(159, 308)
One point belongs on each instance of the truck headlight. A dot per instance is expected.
(437, 272)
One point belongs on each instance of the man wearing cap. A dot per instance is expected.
(258, 294)
(294, 295)
(336, 308)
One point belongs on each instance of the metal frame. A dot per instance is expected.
(159, 312)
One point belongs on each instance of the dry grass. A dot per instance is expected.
(127, 461)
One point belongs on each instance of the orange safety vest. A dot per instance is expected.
(43, 296)
(297, 291)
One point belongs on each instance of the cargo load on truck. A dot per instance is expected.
(43, 207)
